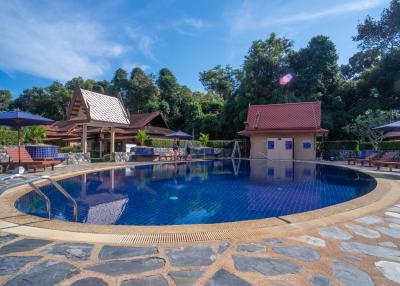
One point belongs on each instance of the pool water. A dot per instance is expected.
(205, 192)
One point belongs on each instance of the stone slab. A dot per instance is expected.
(90, 281)
(12, 264)
(372, 219)
(191, 256)
(387, 244)
(265, 266)
(26, 244)
(391, 270)
(334, 233)
(273, 240)
(225, 278)
(373, 250)
(116, 252)
(134, 266)
(297, 251)
(311, 240)
(47, 273)
(363, 231)
(320, 280)
(6, 238)
(155, 280)
(73, 251)
(392, 232)
(251, 248)
(185, 277)
(223, 246)
(350, 275)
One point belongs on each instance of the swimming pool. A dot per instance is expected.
(205, 192)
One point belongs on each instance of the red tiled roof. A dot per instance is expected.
(299, 116)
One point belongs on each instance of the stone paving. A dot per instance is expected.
(364, 251)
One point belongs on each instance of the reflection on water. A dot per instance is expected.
(201, 192)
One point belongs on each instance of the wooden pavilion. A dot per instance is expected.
(101, 124)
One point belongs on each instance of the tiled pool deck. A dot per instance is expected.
(360, 246)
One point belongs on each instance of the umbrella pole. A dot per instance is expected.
(19, 145)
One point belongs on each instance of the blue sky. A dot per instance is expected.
(42, 41)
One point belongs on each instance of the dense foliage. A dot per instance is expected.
(8, 137)
(370, 81)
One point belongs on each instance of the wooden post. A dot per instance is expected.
(101, 145)
(112, 143)
(84, 138)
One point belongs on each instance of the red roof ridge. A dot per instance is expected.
(301, 102)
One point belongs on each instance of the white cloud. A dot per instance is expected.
(194, 23)
(144, 41)
(53, 43)
(255, 15)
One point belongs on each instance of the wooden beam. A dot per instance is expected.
(112, 143)
(84, 138)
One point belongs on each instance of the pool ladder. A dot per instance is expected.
(30, 181)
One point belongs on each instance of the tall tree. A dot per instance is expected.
(382, 34)
(316, 69)
(140, 91)
(5, 99)
(170, 93)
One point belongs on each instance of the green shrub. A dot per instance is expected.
(339, 145)
(389, 145)
(365, 146)
(97, 160)
(8, 137)
(106, 158)
(220, 143)
(166, 143)
(34, 134)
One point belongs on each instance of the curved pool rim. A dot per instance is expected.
(14, 221)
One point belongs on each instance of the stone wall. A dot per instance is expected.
(75, 158)
(123, 156)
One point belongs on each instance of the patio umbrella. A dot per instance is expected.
(179, 134)
(19, 118)
(394, 126)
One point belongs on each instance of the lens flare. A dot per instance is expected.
(285, 79)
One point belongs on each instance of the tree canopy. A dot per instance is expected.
(369, 81)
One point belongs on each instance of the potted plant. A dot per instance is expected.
(141, 137)
(35, 136)
(204, 138)
(142, 150)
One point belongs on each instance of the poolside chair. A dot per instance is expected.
(367, 159)
(387, 160)
(26, 160)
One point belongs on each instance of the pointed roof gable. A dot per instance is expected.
(297, 117)
(92, 107)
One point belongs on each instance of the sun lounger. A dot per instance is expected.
(26, 160)
(387, 159)
(389, 164)
(367, 159)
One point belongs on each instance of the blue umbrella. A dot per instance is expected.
(394, 126)
(18, 118)
(179, 134)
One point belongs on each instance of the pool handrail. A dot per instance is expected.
(47, 178)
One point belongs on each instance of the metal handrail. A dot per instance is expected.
(46, 199)
(47, 178)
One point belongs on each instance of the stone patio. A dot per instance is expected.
(363, 251)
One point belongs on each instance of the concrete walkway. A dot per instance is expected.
(363, 251)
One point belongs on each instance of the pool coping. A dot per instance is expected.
(16, 222)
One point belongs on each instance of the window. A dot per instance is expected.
(270, 145)
(271, 172)
(288, 145)
(306, 144)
